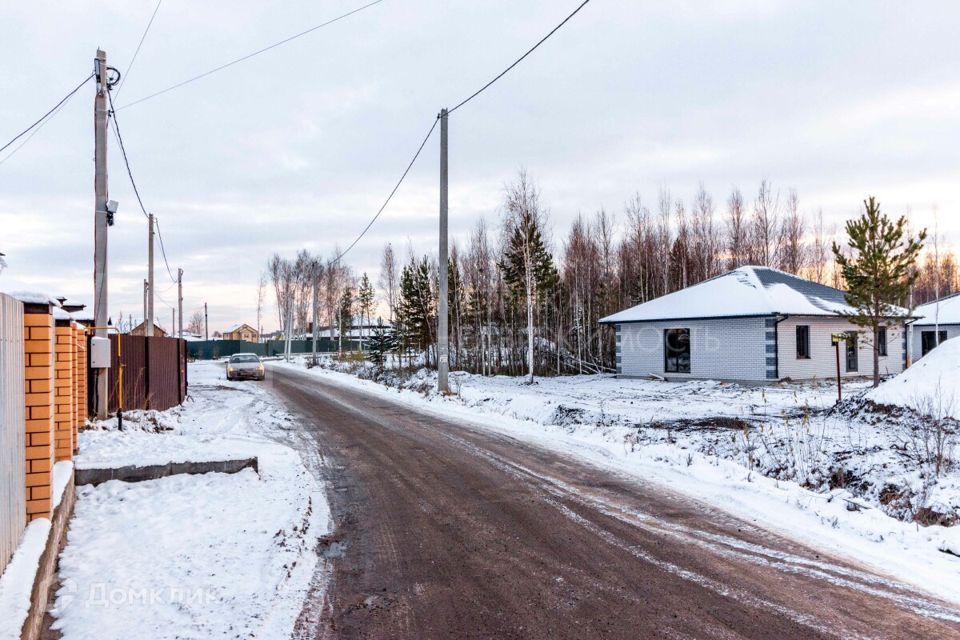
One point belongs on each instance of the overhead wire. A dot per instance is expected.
(44, 116)
(163, 251)
(518, 60)
(35, 131)
(123, 152)
(251, 55)
(392, 192)
(449, 111)
(139, 44)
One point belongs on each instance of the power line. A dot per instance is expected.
(251, 55)
(126, 161)
(397, 186)
(123, 152)
(140, 44)
(35, 131)
(44, 117)
(520, 59)
(163, 251)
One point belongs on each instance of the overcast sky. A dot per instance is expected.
(298, 147)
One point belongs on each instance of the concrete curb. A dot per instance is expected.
(154, 472)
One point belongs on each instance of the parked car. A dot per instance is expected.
(242, 366)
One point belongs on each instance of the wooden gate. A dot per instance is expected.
(13, 509)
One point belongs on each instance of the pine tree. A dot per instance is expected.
(344, 315)
(880, 271)
(415, 308)
(382, 341)
(365, 297)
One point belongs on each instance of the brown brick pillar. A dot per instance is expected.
(38, 347)
(64, 389)
(80, 380)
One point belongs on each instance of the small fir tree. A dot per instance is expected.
(383, 341)
(879, 272)
(365, 297)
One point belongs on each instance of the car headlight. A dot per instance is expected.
(231, 369)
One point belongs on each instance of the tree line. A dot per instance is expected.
(523, 302)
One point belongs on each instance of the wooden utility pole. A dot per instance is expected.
(206, 323)
(148, 327)
(443, 348)
(180, 303)
(100, 222)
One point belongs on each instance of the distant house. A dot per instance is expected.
(752, 324)
(241, 332)
(940, 316)
(140, 330)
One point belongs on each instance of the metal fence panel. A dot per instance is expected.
(13, 508)
(154, 372)
(214, 349)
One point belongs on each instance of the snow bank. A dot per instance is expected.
(17, 580)
(194, 556)
(932, 384)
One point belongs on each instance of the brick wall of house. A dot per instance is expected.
(65, 389)
(822, 362)
(39, 416)
(80, 380)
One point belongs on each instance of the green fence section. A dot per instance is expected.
(214, 349)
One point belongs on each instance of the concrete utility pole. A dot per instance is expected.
(206, 323)
(443, 348)
(180, 303)
(173, 320)
(145, 288)
(100, 221)
(150, 317)
(315, 274)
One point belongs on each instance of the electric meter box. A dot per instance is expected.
(99, 353)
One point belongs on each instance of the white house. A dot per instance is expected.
(941, 316)
(752, 324)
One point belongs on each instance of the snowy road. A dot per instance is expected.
(446, 530)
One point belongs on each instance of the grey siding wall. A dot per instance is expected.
(13, 488)
(822, 362)
(916, 347)
(724, 349)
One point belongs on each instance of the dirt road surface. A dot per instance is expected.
(443, 530)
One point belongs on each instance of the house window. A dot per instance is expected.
(803, 341)
(928, 341)
(882, 341)
(853, 363)
(676, 350)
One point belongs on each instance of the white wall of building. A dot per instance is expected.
(916, 345)
(823, 359)
(723, 349)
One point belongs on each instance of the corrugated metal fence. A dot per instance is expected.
(154, 372)
(213, 349)
(13, 510)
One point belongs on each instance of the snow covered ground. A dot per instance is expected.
(194, 556)
(780, 456)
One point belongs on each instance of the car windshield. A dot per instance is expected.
(243, 358)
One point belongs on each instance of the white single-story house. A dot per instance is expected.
(752, 324)
(941, 316)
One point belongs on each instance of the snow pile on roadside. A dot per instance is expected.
(212, 556)
(16, 583)
(194, 556)
(930, 386)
